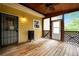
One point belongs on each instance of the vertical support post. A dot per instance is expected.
(62, 28)
(42, 27)
(50, 29)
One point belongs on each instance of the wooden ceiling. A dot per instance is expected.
(54, 8)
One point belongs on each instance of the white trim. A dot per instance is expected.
(24, 9)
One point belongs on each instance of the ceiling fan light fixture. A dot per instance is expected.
(48, 4)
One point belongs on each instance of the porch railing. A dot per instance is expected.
(46, 34)
(71, 36)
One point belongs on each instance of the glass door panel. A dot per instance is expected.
(56, 32)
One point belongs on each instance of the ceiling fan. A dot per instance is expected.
(50, 6)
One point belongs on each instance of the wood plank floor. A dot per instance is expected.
(42, 47)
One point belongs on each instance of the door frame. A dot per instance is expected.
(52, 25)
(62, 28)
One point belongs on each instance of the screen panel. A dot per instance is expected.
(47, 24)
(71, 21)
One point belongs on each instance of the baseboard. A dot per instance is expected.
(23, 42)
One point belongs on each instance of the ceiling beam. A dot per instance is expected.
(23, 8)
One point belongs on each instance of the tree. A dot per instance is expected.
(73, 25)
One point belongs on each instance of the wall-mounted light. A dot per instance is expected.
(23, 19)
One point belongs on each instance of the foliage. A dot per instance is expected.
(73, 25)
